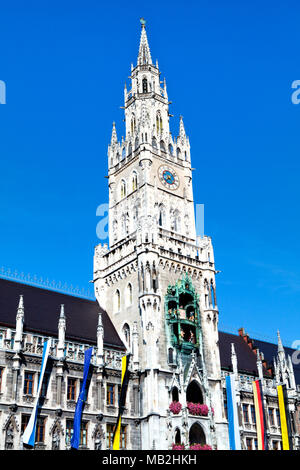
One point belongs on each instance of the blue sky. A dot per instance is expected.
(229, 67)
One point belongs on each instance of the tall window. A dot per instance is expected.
(133, 124)
(271, 416)
(83, 433)
(110, 394)
(45, 384)
(129, 294)
(109, 435)
(145, 85)
(170, 149)
(117, 301)
(246, 413)
(71, 390)
(159, 123)
(1, 378)
(24, 422)
(126, 334)
(253, 417)
(123, 189)
(123, 437)
(162, 146)
(134, 181)
(69, 431)
(40, 429)
(28, 383)
(248, 443)
(154, 143)
(278, 417)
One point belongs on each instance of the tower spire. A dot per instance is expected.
(114, 138)
(280, 346)
(144, 56)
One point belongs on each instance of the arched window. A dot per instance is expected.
(171, 149)
(175, 394)
(162, 146)
(177, 436)
(126, 334)
(145, 85)
(123, 153)
(170, 356)
(137, 143)
(196, 435)
(178, 152)
(129, 295)
(123, 189)
(194, 393)
(154, 143)
(117, 301)
(161, 216)
(134, 181)
(159, 123)
(129, 148)
(133, 124)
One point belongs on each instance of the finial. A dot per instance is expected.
(280, 346)
(143, 22)
(99, 319)
(21, 303)
(62, 311)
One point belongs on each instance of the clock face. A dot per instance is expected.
(168, 177)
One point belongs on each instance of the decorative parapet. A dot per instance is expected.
(33, 345)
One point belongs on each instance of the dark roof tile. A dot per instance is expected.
(42, 308)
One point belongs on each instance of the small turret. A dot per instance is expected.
(19, 325)
(61, 334)
(234, 361)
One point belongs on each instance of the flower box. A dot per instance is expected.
(197, 409)
(175, 407)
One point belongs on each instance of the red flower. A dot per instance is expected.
(175, 407)
(200, 447)
(197, 409)
(177, 446)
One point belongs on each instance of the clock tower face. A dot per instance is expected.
(168, 177)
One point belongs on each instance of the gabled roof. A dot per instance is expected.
(246, 358)
(42, 309)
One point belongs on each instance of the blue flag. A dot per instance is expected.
(78, 411)
(29, 433)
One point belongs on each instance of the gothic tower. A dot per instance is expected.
(156, 279)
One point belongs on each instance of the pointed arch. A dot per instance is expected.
(145, 85)
(171, 150)
(197, 435)
(154, 143)
(117, 301)
(126, 334)
(194, 393)
(134, 180)
(178, 152)
(162, 146)
(123, 189)
(129, 294)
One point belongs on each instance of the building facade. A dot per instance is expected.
(156, 299)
